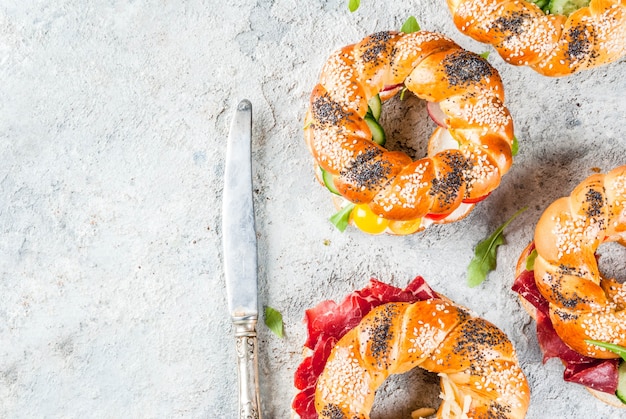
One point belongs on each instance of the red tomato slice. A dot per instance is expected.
(436, 217)
(475, 200)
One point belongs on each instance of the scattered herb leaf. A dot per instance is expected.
(514, 146)
(484, 260)
(530, 260)
(274, 320)
(341, 219)
(485, 55)
(410, 25)
(353, 5)
(620, 350)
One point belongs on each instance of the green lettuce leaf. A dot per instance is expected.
(410, 25)
(530, 260)
(274, 320)
(341, 219)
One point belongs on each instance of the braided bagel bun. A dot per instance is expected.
(583, 304)
(552, 44)
(480, 376)
(354, 345)
(607, 398)
(577, 302)
(467, 154)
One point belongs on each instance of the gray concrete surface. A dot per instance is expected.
(113, 119)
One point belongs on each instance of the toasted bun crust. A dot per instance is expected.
(583, 304)
(607, 398)
(478, 365)
(552, 45)
(532, 311)
(466, 158)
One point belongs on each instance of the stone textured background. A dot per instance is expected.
(113, 121)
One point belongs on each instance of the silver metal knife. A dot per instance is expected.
(240, 256)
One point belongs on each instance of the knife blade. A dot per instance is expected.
(240, 256)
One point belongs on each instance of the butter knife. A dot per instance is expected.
(240, 257)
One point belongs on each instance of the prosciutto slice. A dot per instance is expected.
(328, 322)
(598, 374)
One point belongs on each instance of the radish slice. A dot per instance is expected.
(388, 92)
(441, 140)
(437, 115)
(392, 87)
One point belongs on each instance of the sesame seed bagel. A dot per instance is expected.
(480, 375)
(607, 398)
(467, 155)
(583, 304)
(551, 44)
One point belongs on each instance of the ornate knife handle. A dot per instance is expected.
(247, 366)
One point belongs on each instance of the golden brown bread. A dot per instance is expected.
(532, 311)
(553, 45)
(466, 167)
(583, 304)
(476, 361)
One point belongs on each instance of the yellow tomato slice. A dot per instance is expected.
(367, 221)
(405, 227)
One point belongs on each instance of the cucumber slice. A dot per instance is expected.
(566, 7)
(542, 4)
(375, 106)
(378, 134)
(329, 182)
(621, 382)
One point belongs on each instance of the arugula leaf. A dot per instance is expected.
(274, 320)
(620, 350)
(353, 5)
(410, 25)
(485, 54)
(514, 146)
(484, 260)
(341, 219)
(530, 260)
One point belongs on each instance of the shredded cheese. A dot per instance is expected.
(422, 413)
(451, 395)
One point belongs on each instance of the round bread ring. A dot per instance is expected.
(480, 375)
(552, 45)
(583, 304)
(607, 398)
(465, 160)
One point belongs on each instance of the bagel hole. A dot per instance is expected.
(612, 261)
(401, 394)
(407, 125)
